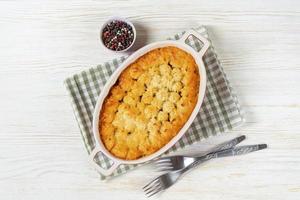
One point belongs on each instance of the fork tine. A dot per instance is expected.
(163, 164)
(154, 190)
(157, 191)
(150, 183)
(163, 169)
(151, 187)
(162, 160)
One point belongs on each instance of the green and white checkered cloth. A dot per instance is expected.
(219, 113)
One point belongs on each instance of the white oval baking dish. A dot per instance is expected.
(180, 44)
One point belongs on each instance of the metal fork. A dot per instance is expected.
(172, 163)
(166, 180)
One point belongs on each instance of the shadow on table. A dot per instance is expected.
(142, 37)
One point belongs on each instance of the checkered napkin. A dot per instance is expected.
(220, 110)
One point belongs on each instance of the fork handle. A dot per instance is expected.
(224, 153)
(229, 144)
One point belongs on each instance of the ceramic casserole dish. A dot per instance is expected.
(100, 148)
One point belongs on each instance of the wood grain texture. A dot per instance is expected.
(42, 42)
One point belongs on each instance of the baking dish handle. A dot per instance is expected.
(105, 172)
(205, 42)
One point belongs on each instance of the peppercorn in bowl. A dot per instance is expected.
(117, 34)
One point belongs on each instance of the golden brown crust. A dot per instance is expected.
(148, 105)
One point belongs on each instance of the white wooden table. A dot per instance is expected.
(42, 42)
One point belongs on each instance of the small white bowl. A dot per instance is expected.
(118, 19)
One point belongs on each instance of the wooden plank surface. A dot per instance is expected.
(42, 42)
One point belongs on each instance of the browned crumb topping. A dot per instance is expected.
(150, 102)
